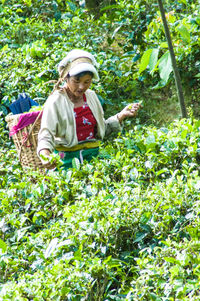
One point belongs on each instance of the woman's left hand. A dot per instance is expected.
(129, 111)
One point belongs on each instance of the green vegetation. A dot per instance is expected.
(124, 226)
(120, 228)
(128, 42)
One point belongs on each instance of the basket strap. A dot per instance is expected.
(28, 135)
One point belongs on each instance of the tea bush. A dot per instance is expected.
(35, 36)
(122, 227)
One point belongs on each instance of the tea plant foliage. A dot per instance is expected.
(126, 225)
(127, 40)
(122, 227)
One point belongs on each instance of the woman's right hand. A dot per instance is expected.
(45, 159)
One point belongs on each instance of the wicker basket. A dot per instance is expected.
(25, 142)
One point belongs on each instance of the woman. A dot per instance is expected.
(73, 118)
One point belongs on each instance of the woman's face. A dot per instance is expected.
(78, 85)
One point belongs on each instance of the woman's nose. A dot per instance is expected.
(81, 86)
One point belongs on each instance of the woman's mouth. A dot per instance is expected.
(80, 92)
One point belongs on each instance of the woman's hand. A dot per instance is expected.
(129, 111)
(45, 159)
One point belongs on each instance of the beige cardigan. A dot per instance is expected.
(58, 125)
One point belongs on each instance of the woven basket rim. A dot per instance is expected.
(10, 117)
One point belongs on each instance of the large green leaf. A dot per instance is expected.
(153, 59)
(145, 60)
(149, 59)
(165, 66)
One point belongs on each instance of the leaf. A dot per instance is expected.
(72, 6)
(116, 30)
(148, 164)
(150, 139)
(114, 6)
(3, 246)
(170, 259)
(159, 85)
(161, 171)
(76, 163)
(140, 236)
(134, 173)
(183, 1)
(51, 247)
(67, 242)
(165, 66)
(145, 60)
(150, 142)
(153, 59)
(154, 297)
(174, 270)
(68, 176)
(164, 45)
(118, 155)
(182, 29)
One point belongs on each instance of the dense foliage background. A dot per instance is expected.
(126, 226)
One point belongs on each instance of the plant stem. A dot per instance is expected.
(173, 59)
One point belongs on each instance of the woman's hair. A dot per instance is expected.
(77, 76)
(81, 74)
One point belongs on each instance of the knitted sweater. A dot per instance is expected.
(58, 125)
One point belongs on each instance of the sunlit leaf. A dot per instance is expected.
(51, 247)
(145, 60)
(165, 66)
(153, 59)
(3, 246)
(184, 32)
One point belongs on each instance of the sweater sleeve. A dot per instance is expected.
(112, 125)
(48, 126)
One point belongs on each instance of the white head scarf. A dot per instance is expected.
(78, 61)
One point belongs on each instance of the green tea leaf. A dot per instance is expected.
(51, 247)
(3, 246)
(140, 236)
(76, 163)
(184, 33)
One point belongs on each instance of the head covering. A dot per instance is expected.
(78, 61)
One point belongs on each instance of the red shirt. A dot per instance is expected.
(85, 122)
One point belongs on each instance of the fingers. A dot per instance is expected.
(46, 162)
(49, 165)
(133, 108)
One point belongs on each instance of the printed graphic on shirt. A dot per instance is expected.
(85, 105)
(86, 121)
(91, 136)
